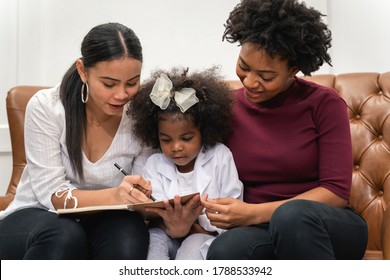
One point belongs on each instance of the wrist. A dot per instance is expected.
(176, 232)
(257, 214)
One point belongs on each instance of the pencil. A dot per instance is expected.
(139, 187)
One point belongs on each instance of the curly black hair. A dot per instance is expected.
(286, 28)
(211, 114)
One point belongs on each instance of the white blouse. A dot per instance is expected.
(48, 167)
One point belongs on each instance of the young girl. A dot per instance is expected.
(187, 117)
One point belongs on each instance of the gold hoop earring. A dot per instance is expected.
(84, 96)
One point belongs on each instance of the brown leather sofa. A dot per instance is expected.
(368, 99)
(16, 102)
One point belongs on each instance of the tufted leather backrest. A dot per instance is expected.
(368, 99)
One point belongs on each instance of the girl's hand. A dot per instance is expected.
(229, 212)
(179, 218)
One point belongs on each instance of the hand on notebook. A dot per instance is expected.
(178, 218)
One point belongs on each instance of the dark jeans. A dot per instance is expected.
(299, 229)
(38, 234)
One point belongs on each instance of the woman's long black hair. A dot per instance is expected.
(104, 42)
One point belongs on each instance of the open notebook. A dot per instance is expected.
(139, 207)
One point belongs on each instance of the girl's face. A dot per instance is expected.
(263, 76)
(111, 84)
(180, 140)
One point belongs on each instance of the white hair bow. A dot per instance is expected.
(162, 93)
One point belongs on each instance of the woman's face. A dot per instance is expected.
(111, 84)
(263, 76)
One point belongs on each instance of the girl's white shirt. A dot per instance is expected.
(48, 167)
(215, 174)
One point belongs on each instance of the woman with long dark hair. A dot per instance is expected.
(74, 134)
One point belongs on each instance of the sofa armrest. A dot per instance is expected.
(386, 234)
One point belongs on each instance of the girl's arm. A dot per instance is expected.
(229, 184)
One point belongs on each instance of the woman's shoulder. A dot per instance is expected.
(318, 91)
(45, 109)
(49, 97)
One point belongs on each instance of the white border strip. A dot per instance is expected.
(5, 141)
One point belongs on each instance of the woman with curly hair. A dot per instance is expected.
(187, 116)
(291, 143)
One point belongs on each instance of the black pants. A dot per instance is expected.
(38, 234)
(299, 229)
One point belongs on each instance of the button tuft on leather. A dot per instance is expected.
(356, 167)
(380, 193)
(380, 137)
(357, 117)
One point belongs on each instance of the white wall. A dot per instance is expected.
(8, 78)
(40, 39)
(361, 35)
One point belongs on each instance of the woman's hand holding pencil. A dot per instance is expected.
(147, 192)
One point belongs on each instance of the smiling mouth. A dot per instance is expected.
(255, 94)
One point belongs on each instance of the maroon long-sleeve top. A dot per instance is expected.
(294, 142)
